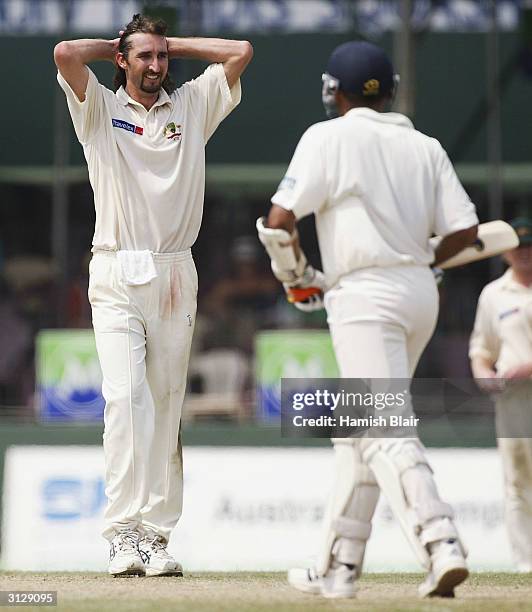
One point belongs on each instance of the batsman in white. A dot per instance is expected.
(501, 360)
(144, 145)
(379, 190)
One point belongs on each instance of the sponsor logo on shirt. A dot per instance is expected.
(124, 125)
(287, 183)
(508, 313)
(173, 131)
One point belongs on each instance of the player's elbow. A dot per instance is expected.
(62, 53)
(245, 51)
(243, 55)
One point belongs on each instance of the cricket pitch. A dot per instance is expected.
(263, 592)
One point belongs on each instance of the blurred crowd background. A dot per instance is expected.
(466, 79)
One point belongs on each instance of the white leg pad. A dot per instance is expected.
(402, 471)
(351, 528)
(432, 509)
(384, 458)
(350, 545)
(352, 505)
(440, 529)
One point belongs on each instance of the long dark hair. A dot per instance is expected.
(146, 25)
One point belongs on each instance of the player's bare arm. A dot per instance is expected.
(72, 56)
(454, 243)
(234, 55)
(280, 218)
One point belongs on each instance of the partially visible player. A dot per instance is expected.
(145, 149)
(379, 190)
(501, 360)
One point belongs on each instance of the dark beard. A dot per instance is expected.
(152, 87)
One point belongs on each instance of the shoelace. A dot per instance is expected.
(158, 544)
(128, 541)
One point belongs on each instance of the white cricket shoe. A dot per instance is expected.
(448, 570)
(157, 560)
(338, 582)
(124, 557)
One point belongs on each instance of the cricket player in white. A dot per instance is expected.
(379, 190)
(144, 147)
(501, 360)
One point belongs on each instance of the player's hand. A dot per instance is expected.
(491, 383)
(521, 372)
(114, 43)
(306, 294)
(114, 48)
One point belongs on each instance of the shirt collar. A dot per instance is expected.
(369, 113)
(510, 284)
(124, 98)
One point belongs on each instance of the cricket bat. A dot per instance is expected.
(494, 238)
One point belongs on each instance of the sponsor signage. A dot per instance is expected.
(289, 354)
(244, 509)
(68, 376)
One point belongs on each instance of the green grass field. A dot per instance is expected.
(262, 592)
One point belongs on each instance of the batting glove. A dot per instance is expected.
(306, 294)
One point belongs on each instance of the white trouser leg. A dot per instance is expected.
(516, 456)
(380, 323)
(347, 524)
(121, 344)
(143, 335)
(168, 349)
(128, 428)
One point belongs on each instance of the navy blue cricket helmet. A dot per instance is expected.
(360, 68)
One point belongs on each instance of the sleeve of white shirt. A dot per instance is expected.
(484, 341)
(454, 211)
(87, 116)
(210, 94)
(303, 189)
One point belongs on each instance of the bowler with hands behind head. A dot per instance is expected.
(145, 149)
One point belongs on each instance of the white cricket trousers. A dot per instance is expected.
(380, 320)
(143, 337)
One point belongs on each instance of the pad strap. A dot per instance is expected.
(433, 509)
(409, 455)
(439, 530)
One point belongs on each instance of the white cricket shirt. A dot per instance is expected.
(147, 168)
(379, 190)
(503, 324)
